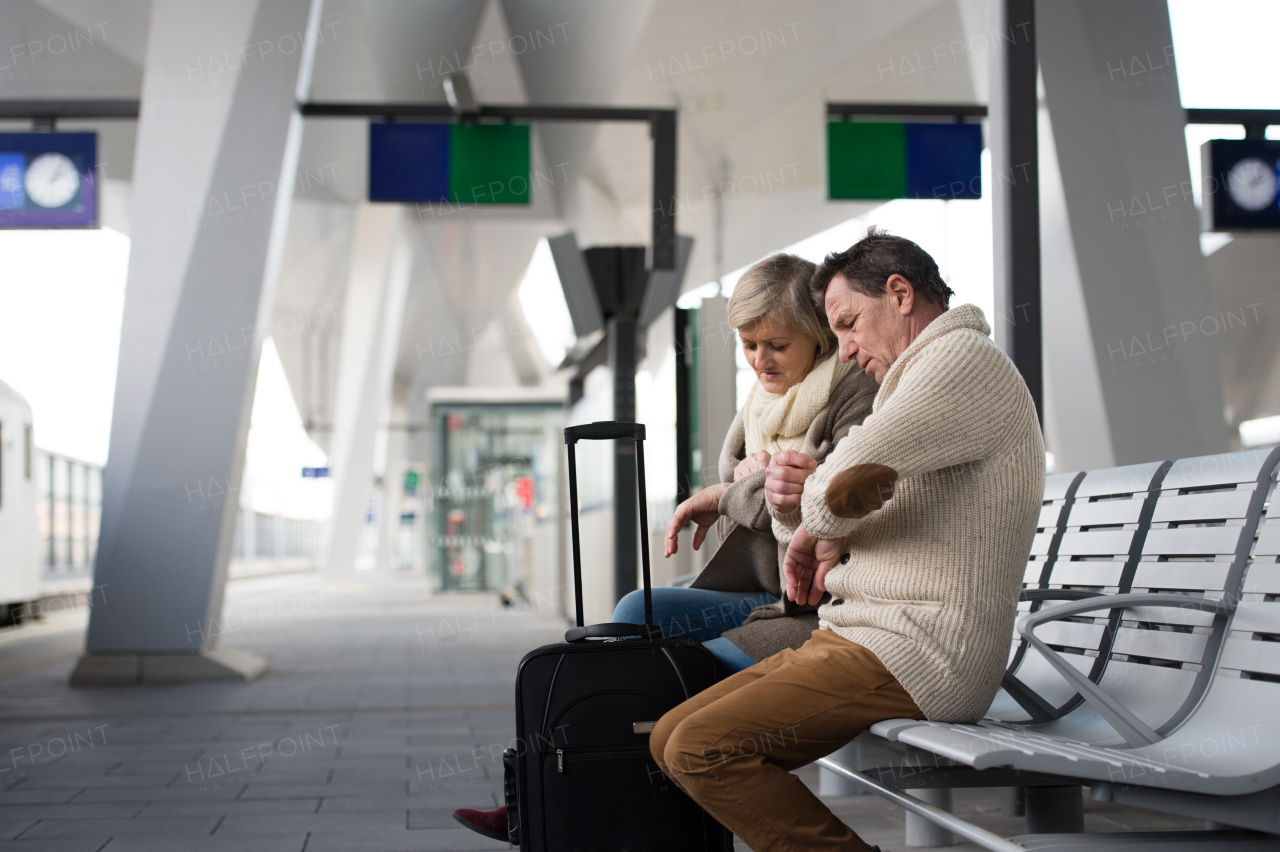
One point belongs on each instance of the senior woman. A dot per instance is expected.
(805, 400)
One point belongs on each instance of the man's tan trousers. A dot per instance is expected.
(733, 746)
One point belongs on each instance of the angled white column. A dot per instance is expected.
(1076, 430)
(372, 313)
(1112, 90)
(218, 140)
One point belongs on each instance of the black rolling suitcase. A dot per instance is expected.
(582, 777)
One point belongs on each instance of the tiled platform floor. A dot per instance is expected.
(382, 711)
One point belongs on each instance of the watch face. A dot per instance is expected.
(1252, 184)
(52, 180)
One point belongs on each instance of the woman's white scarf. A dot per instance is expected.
(778, 421)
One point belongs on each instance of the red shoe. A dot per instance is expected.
(492, 824)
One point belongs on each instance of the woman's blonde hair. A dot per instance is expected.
(778, 288)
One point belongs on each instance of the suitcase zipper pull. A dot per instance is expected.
(560, 760)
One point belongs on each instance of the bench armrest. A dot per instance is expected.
(1134, 731)
(1028, 699)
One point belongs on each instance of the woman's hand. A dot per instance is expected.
(703, 509)
(749, 465)
(784, 483)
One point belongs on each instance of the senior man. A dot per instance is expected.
(918, 525)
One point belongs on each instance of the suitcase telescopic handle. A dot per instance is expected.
(605, 430)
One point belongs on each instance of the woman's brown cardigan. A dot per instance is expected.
(750, 558)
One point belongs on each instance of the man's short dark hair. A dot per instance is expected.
(868, 264)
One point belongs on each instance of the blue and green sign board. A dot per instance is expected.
(449, 163)
(882, 160)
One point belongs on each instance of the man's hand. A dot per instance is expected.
(806, 565)
(784, 481)
(703, 509)
(749, 465)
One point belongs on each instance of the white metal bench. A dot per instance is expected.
(1160, 686)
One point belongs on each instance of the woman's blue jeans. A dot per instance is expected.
(699, 614)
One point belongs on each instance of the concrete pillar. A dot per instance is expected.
(1117, 118)
(372, 313)
(218, 141)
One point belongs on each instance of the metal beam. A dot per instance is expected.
(47, 108)
(974, 834)
(663, 130)
(127, 108)
(1015, 202)
(1194, 116)
(1255, 121)
(1233, 116)
(913, 110)
(324, 109)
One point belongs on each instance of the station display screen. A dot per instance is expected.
(874, 160)
(1241, 177)
(48, 180)
(449, 163)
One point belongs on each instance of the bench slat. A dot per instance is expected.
(1269, 538)
(1086, 574)
(1040, 544)
(1160, 644)
(1190, 507)
(1071, 634)
(1257, 617)
(1218, 469)
(1049, 516)
(1192, 540)
(1199, 576)
(1095, 543)
(1263, 579)
(1107, 512)
(1249, 655)
(1169, 615)
(1056, 485)
(1130, 479)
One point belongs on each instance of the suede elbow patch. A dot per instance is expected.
(860, 490)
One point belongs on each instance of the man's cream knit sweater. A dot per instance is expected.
(929, 583)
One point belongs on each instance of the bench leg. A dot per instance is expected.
(1055, 810)
(1013, 800)
(921, 832)
(831, 784)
